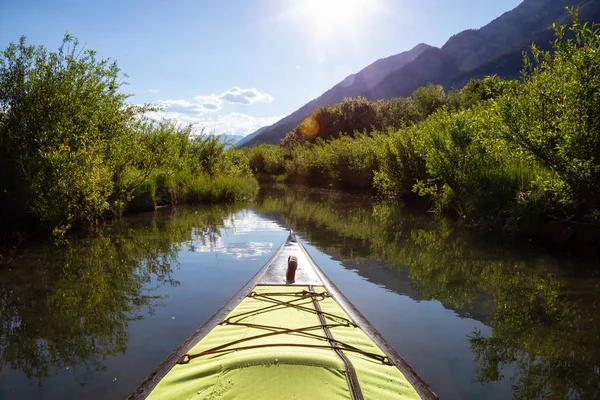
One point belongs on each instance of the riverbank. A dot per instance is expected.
(518, 158)
(74, 150)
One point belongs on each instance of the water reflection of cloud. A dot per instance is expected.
(237, 250)
(244, 223)
(248, 221)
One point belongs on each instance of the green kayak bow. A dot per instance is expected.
(289, 333)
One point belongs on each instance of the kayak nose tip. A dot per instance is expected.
(292, 236)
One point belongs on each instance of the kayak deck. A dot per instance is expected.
(275, 269)
(296, 340)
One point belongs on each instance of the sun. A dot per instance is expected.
(335, 11)
(327, 19)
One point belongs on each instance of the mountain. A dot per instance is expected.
(466, 51)
(229, 140)
(509, 64)
(472, 47)
(351, 86)
(495, 48)
(433, 65)
(251, 136)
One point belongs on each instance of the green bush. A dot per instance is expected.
(266, 160)
(65, 134)
(471, 170)
(304, 166)
(203, 189)
(72, 150)
(143, 197)
(477, 90)
(553, 117)
(396, 113)
(401, 165)
(427, 99)
(350, 162)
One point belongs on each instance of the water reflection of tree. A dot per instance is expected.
(70, 306)
(544, 321)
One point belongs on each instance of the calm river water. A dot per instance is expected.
(475, 318)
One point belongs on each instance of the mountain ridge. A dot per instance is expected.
(350, 86)
(252, 135)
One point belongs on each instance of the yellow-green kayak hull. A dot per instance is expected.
(277, 339)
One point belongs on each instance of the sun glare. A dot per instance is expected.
(335, 11)
(328, 18)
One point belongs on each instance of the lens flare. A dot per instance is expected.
(309, 128)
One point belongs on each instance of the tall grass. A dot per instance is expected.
(163, 188)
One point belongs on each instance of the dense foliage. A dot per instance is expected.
(358, 114)
(505, 155)
(72, 149)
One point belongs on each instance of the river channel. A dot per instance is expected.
(477, 318)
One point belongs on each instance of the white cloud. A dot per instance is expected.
(153, 90)
(214, 102)
(179, 106)
(231, 123)
(201, 112)
(245, 96)
(200, 105)
(208, 103)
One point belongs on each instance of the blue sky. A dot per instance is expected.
(236, 65)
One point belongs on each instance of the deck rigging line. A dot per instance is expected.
(305, 295)
(335, 345)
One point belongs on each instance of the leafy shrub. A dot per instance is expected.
(266, 160)
(401, 165)
(553, 116)
(478, 90)
(72, 150)
(396, 113)
(427, 99)
(64, 134)
(351, 162)
(470, 169)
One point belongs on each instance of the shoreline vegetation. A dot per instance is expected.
(516, 157)
(521, 158)
(73, 151)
